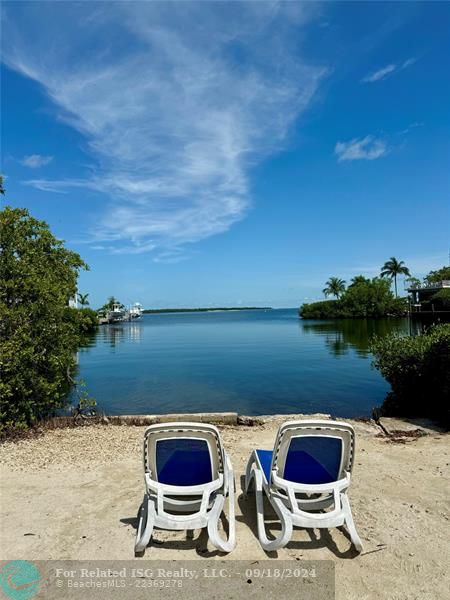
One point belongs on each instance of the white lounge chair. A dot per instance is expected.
(308, 470)
(186, 470)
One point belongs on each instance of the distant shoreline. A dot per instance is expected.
(221, 309)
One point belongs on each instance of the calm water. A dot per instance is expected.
(251, 362)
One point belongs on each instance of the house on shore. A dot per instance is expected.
(430, 297)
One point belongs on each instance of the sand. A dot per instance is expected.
(74, 494)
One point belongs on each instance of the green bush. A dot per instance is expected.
(38, 332)
(418, 370)
(326, 309)
(85, 320)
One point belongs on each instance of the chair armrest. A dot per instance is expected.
(306, 488)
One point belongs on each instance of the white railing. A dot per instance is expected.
(429, 286)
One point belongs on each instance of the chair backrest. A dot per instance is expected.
(313, 452)
(183, 454)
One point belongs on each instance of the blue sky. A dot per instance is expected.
(201, 154)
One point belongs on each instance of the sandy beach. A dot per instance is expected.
(74, 494)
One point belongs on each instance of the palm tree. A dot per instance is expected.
(394, 267)
(110, 303)
(83, 299)
(334, 287)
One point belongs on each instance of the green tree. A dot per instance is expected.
(38, 341)
(334, 287)
(358, 279)
(413, 281)
(83, 299)
(438, 275)
(371, 298)
(2, 188)
(392, 268)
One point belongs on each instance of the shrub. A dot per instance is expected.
(418, 370)
(85, 320)
(39, 335)
(327, 309)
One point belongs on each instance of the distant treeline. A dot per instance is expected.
(176, 310)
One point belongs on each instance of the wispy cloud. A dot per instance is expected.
(408, 63)
(380, 74)
(34, 161)
(367, 148)
(175, 112)
(388, 70)
(410, 128)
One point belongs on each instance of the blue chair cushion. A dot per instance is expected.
(313, 459)
(310, 459)
(183, 461)
(265, 458)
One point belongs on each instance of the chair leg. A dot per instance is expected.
(350, 524)
(249, 474)
(283, 514)
(214, 516)
(146, 523)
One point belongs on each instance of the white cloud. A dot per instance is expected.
(34, 161)
(176, 105)
(380, 74)
(368, 148)
(387, 70)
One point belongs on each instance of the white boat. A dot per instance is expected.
(136, 310)
(117, 313)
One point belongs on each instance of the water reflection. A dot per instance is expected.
(251, 362)
(117, 333)
(343, 335)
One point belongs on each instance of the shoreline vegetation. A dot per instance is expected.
(373, 298)
(418, 371)
(149, 311)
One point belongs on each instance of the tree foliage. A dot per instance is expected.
(38, 337)
(438, 275)
(357, 280)
(413, 281)
(418, 369)
(364, 298)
